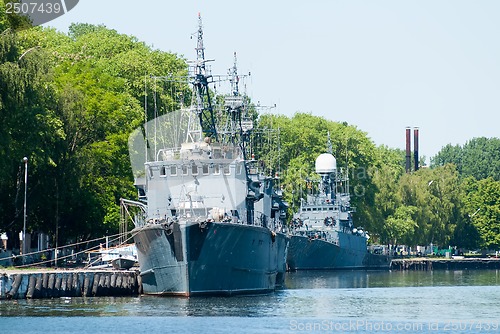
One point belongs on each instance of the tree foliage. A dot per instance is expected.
(386, 173)
(478, 157)
(482, 210)
(400, 227)
(68, 103)
(12, 21)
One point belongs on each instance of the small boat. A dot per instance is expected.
(123, 262)
(119, 257)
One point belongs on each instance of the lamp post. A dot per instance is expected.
(25, 190)
(471, 216)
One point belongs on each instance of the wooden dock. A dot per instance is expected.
(51, 283)
(445, 264)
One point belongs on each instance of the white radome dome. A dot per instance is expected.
(326, 163)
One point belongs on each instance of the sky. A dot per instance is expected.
(381, 65)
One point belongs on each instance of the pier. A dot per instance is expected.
(45, 283)
(446, 264)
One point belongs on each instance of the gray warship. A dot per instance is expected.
(210, 221)
(322, 234)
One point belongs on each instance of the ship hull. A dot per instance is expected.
(282, 247)
(318, 254)
(217, 259)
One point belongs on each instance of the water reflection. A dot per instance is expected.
(377, 279)
(309, 294)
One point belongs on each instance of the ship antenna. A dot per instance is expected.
(233, 78)
(200, 50)
(146, 117)
(332, 179)
(204, 106)
(329, 144)
(235, 106)
(347, 164)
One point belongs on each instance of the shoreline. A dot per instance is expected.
(457, 263)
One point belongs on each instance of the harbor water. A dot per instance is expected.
(465, 301)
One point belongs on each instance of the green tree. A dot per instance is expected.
(400, 227)
(68, 106)
(436, 195)
(482, 208)
(385, 175)
(28, 127)
(479, 157)
(12, 21)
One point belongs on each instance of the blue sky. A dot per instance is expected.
(380, 65)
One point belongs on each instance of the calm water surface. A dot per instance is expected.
(340, 301)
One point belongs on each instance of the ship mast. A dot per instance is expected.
(332, 178)
(238, 123)
(234, 78)
(201, 79)
(329, 144)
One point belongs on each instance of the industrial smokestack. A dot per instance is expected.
(415, 147)
(408, 150)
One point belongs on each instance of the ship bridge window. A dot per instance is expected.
(151, 174)
(194, 170)
(205, 169)
(315, 209)
(173, 170)
(227, 170)
(216, 169)
(184, 170)
(330, 209)
(163, 171)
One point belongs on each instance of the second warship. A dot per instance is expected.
(323, 235)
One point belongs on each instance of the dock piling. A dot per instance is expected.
(67, 283)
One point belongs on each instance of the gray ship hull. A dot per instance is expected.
(217, 259)
(318, 254)
(282, 247)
